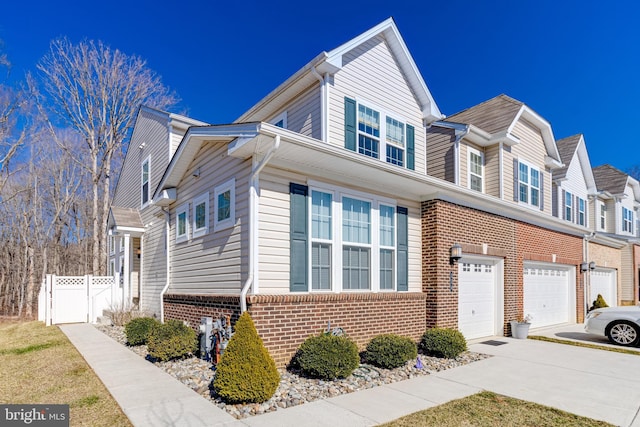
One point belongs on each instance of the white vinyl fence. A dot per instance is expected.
(77, 299)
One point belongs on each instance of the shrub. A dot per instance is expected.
(171, 340)
(390, 351)
(137, 330)
(441, 342)
(246, 372)
(327, 357)
(599, 303)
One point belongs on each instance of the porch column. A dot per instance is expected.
(126, 284)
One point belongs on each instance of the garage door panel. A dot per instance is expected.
(546, 295)
(603, 282)
(476, 299)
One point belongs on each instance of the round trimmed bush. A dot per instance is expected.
(171, 340)
(327, 357)
(390, 351)
(138, 329)
(443, 342)
(246, 372)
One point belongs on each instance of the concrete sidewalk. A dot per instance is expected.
(594, 383)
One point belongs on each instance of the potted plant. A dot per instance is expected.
(520, 327)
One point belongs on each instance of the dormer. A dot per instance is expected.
(618, 197)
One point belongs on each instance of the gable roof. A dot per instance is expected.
(499, 115)
(611, 180)
(331, 62)
(125, 220)
(568, 148)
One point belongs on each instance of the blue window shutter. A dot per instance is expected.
(516, 170)
(411, 148)
(299, 236)
(403, 249)
(350, 119)
(541, 190)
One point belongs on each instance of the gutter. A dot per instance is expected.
(253, 229)
(323, 102)
(167, 222)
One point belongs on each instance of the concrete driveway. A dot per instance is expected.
(575, 332)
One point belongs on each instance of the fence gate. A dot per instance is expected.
(76, 299)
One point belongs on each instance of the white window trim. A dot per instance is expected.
(471, 150)
(121, 243)
(631, 221)
(282, 116)
(112, 245)
(603, 216)
(331, 241)
(529, 186)
(197, 232)
(382, 144)
(582, 211)
(148, 162)
(229, 185)
(337, 241)
(182, 209)
(570, 206)
(112, 267)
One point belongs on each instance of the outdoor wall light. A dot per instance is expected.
(455, 253)
(196, 173)
(592, 265)
(586, 266)
(138, 252)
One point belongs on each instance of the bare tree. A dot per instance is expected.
(97, 91)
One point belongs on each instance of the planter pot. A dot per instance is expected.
(520, 330)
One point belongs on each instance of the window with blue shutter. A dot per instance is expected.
(299, 238)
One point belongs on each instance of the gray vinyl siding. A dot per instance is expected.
(303, 114)
(154, 268)
(370, 74)
(215, 263)
(492, 170)
(577, 186)
(274, 231)
(440, 153)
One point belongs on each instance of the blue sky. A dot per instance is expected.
(576, 63)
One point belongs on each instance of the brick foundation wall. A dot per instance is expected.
(285, 321)
(483, 233)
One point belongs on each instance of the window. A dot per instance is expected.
(368, 131)
(121, 240)
(603, 216)
(112, 267)
(224, 199)
(476, 170)
(387, 247)
(121, 269)
(627, 220)
(395, 142)
(280, 120)
(182, 223)
(321, 244)
(145, 182)
(581, 212)
(528, 185)
(356, 249)
(568, 206)
(201, 215)
(112, 245)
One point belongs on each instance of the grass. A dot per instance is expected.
(38, 365)
(585, 345)
(488, 409)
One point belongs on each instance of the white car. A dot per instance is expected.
(620, 324)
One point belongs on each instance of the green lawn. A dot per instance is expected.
(38, 365)
(487, 409)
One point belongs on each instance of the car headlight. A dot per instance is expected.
(593, 314)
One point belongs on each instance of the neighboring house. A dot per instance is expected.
(337, 199)
(616, 210)
(574, 195)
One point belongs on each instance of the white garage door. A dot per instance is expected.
(603, 282)
(547, 294)
(476, 298)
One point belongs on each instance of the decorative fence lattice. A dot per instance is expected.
(77, 299)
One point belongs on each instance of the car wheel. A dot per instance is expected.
(624, 333)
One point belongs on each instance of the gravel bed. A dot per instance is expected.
(293, 389)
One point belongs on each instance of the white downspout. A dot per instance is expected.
(500, 170)
(586, 281)
(253, 232)
(167, 225)
(323, 102)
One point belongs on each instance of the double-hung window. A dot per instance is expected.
(528, 184)
(603, 216)
(182, 223)
(356, 243)
(321, 239)
(627, 220)
(582, 218)
(224, 197)
(112, 245)
(373, 132)
(476, 170)
(145, 181)
(387, 247)
(568, 206)
(201, 215)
